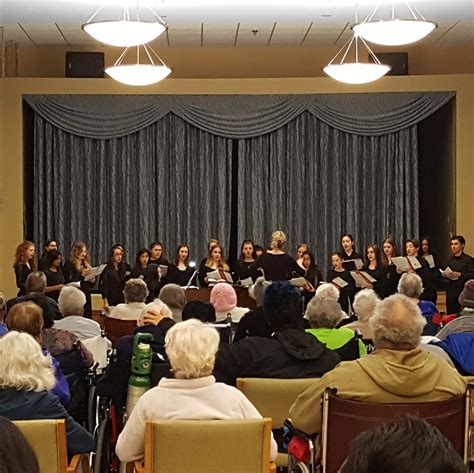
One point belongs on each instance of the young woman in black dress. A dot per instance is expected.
(374, 267)
(348, 247)
(389, 251)
(180, 272)
(24, 264)
(242, 265)
(54, 274)
(346, 293)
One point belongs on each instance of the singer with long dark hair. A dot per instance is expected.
(180, 272)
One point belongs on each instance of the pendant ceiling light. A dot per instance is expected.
(125, 32)
(138, 74)
(395, 32)
(355, 72)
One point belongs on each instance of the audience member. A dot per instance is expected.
(397, 372)
(289, 353)
(135, 294)
(16, 453)
(324, 316)
(365, 302)
(193, 394)
(224, 299)
(175, 298)
(25, 379)
(203, 311)
(403, 445)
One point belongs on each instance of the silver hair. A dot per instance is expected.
(327, 291)
(364, 304)
(156, 307)
(191, 348)
(135, 290)
(71, 301)
(410, 285)
(36, 282)
(173, 296)
(257, 290)
(397, 322)
(323, 313)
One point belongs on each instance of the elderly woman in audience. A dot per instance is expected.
(135, 294)
(26, 379)
(201, 310)
(27, 317)
(410, 285)
(224, 299)
(24, 264)
(175, 298)
(365, 302)
(255, 323)
(71, 304)
(193, 394)
(324, 315)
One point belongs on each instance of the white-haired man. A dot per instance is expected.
(396, 372)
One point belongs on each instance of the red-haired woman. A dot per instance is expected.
(24, 264)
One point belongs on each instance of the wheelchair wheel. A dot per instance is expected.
(300, 467)
(103, 455)
(92, 411)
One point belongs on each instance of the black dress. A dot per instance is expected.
(72, 274)
(353, 255)
(150, 276)
(22, 271)
(277, 267)
(379, 275)
(54, 278)
(346, 294)
(243, 270)
(112, 283)
(391, 278)
(178, 276)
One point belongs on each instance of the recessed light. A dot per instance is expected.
(326, 15)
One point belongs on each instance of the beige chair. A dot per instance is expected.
(203, 446)
(273, 398)
(47, 437)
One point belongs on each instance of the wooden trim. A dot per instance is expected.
(61, 445)
(240, 384)
(467, 424)
(324, 430)
(149, 439)
(267, 430)
(139, 466)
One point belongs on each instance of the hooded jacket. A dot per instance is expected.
(384, 376)
(288, 353)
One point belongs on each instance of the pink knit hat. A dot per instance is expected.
(223, 297)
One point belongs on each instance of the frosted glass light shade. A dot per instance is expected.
(356, 72)
(124, 32)
(394, 32)
(138, 74)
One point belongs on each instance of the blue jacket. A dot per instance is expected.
(61, 388)
(31, 405)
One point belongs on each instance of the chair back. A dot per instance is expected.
(230, 446)
(273, 397)
(48, 440)
(116, 328)
(344, 419)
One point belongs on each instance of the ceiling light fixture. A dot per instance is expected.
(395, 32)
(138, 74)
(125, 32)
(355, 72)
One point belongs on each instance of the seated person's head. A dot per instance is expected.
(466, 298)
(203, 311)
(24, 367)
(257, 290)
(71, 301)
(283, 305)
(135, 290)
(26, 317)
(397, 323)
(323, 313)
(16, 453)
(223, 297)
(154, 313)
(36, 282)
(410, 285)
(191, 348)
(408, 444)
(173, 296)
(327, 291)
(364, 304)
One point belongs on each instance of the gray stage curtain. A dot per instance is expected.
(315, 183)
(237, 116)
(169, 181)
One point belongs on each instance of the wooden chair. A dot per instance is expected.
(344, 419)
(48, 439)
(273, 398)
(116, 328)
(202, 446)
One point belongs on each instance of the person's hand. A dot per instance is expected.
(370, 286)
(206, 280)
(152, 318)
(411, 270)
(106, 309)
(85, 271)
(455, 275)
(399, 271)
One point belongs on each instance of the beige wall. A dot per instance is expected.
(246, 62)
(11, 90)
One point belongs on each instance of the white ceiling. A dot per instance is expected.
(227, 23)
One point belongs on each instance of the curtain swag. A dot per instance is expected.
(236, 116)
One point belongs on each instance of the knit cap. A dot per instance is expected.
(466, 298)
(223, 297)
